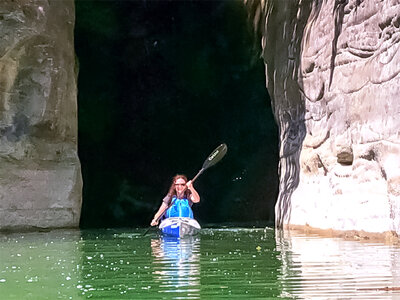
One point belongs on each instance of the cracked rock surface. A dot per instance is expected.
(332, 71)
(40, 177)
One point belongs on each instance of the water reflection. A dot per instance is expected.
(176, 266)
(230, 263)
(332, 268)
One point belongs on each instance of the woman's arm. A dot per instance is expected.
(159, 213)
(195, 197)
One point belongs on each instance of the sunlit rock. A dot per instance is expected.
(40, 178)
(332, 71)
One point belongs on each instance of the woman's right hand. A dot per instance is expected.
(154, 222)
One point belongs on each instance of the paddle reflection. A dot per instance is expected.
(176, 266)
(331, 268)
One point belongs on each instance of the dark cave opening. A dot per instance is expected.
(161, 84)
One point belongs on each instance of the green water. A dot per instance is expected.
(217, 264)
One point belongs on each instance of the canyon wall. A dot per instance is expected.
(332, 70)
(40, 177)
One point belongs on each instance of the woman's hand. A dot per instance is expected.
(195, 197)
(154, 222)
(189, 185)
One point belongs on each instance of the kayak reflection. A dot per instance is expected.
(176, 265)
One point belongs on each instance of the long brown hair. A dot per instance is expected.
(172, 191)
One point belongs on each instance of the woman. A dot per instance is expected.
(183, 195)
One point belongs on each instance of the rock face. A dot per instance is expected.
(332, 71)
(40, 177)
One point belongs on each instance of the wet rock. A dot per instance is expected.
(40, 178)
(333, 73)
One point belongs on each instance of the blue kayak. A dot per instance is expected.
(179, 227)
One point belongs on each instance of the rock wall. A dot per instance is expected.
(332, 71)
(40, 177)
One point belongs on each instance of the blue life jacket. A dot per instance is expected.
(179, 208)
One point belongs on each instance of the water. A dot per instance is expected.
(219, 263)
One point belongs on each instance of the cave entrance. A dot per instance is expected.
(160, 85)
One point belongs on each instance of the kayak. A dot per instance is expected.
(179, 227)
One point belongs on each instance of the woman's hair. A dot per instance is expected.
(172, 191)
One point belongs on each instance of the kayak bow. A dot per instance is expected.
(179, 227)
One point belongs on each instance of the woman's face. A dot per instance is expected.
(180, 185)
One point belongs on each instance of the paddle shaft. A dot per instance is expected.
(198, 174)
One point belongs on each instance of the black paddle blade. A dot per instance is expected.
(215, 156)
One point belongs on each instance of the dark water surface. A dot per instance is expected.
(217, 264)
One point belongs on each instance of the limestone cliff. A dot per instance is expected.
(332, 71)
(40, 178)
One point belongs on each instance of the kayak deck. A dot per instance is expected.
(179, 226)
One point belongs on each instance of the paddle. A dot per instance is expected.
(211, 160)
